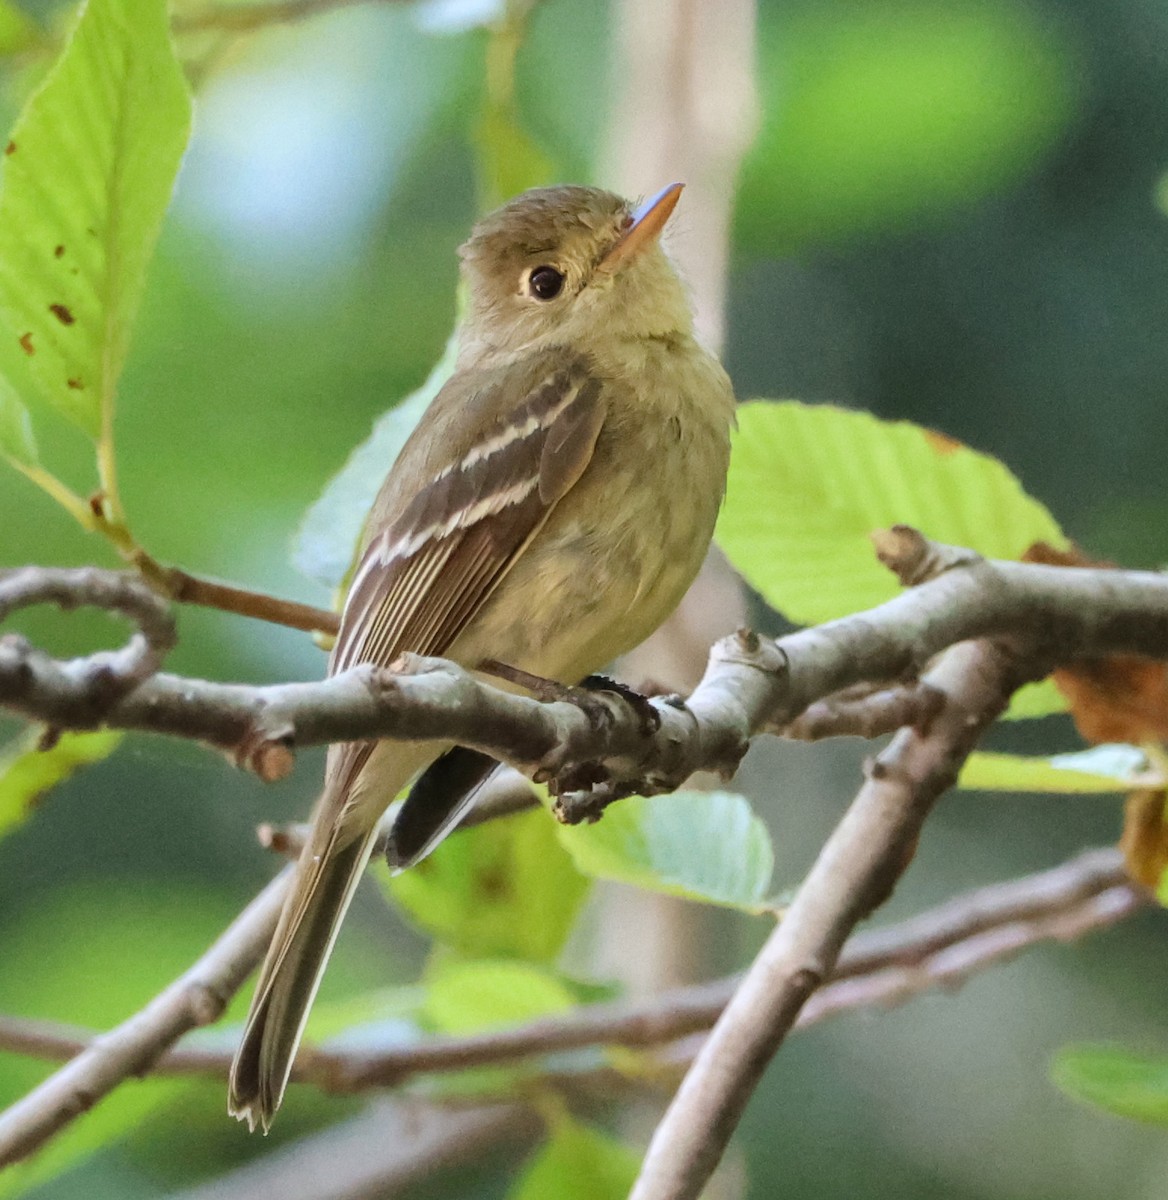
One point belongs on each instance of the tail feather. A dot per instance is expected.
(440, 797)
(321, 894)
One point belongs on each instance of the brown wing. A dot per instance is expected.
(422, 578)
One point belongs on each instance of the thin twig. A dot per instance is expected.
(196, 998)
(209, 593)
(867, 715)
(378, 1153)
(934, 949)
(101, 680)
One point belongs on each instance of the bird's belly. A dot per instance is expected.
(618, 553)
(596, 584)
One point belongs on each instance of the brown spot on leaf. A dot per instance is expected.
(942, 442)
(62, 313)
(97, 504)
(10, 148)
(26, 343)
(58, 251)
(74, 383)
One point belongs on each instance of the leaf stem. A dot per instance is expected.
(77, 507)
(173, 582)
(107, 473)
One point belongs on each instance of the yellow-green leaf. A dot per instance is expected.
(701, 845)
(510, 162)
(1036, 700)
(27, 774)
(465, 996)
(809, 483)
(503, 889)
(1121, 1081)
(1100, 769)
(87, 176)
(578, 1163)
(886, 115)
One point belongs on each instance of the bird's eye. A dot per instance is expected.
(544, 283)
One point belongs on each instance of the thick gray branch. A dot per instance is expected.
(603, 749)
(855, 871)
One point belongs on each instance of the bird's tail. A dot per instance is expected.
(325, 881)
(362, 782)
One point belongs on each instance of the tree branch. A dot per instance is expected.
(854, 873)
(1049, 614)
(378, 1153)
(227, 597)
(865, 712)
(1058, 614)
(196, 998)
(937, 948)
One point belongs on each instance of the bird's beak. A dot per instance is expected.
(648, 221)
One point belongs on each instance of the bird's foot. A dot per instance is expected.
(586, 695)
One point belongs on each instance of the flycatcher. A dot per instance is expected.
(549, 511)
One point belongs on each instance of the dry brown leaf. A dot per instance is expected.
(1117, 699)
(1144, 841)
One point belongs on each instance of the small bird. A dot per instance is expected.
(549, 512)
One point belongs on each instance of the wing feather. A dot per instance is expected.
(423, 578)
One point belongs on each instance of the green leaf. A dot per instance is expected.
(701, 845)
(1039, 699)
(16, 437)
(27, 774)
(327, 541)
(466, 996)
(87, 178)
(809, 483)
(578, 1163)
(1118, 1080)
(503, 889)
(381, 1010)
(1100, 769)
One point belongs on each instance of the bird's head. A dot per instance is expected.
(571, 265)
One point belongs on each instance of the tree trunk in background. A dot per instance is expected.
(685, 110)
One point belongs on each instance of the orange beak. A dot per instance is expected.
(648, 221)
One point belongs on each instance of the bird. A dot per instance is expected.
(549, 512)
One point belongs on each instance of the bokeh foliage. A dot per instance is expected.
(947, 217)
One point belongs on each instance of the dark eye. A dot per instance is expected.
(545, 283)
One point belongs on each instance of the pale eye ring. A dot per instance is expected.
(545, 282)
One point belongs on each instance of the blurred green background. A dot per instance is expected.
(949, 215)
